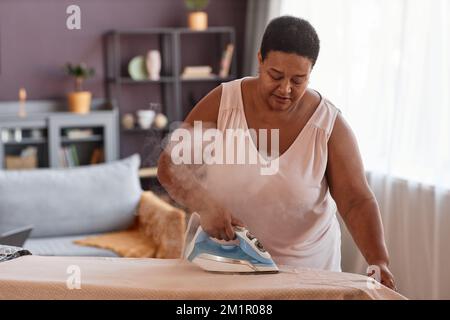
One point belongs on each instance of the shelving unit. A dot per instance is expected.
(169, 43)
(174, 45)
(212, 79)
(126, 80)
(150, 172)
(51, 120)
(26, 141)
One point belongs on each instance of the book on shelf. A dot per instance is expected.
(197, 72)
(225, 63)
(74, 154)
(68, 157)
(97, 156)
(79, 133)
(62, 158)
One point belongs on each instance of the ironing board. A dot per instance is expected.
(47, 277)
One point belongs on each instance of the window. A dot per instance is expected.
(386, 65)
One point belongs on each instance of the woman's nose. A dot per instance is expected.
(285, 88)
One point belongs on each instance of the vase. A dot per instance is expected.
(145, 118)
(153, 63)
(80, 101)
(198, 20)
(128, 121)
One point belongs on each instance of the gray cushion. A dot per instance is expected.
(64, 246)
(71, 201)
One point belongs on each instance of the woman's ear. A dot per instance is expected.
(260, 59)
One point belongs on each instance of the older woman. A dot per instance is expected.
(319, 167)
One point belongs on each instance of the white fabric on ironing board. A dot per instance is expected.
(45, 277)
(291, 212)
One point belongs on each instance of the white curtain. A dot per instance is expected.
(259, 13)
(416, 221)
(386, 65)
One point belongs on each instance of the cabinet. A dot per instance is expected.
(178, 47)
(103, 137)
(49, 129)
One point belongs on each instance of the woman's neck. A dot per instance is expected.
(265, 113)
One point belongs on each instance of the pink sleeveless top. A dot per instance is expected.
(291, 212)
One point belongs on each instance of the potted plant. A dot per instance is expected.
(79, 100)
(197, 18)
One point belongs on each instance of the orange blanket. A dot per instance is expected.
(157, 233)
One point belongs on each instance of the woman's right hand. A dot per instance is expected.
(218, 222)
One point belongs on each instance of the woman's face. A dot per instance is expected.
(283, 79)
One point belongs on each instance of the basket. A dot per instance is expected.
(19, 163)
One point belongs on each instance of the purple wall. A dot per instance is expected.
(35, 43)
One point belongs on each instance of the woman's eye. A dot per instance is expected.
(276, 77)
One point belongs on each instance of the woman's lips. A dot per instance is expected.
(282, 99)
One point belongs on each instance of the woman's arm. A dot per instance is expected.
(355, 201)
(181, 180)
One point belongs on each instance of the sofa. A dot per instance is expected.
(69, 204)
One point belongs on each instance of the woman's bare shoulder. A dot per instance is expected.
(314, 97)
(248, 88)
(207, 109)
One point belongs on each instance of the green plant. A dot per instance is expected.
(80, 72)
(196, 5)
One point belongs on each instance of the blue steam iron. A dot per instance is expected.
(245, 254)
